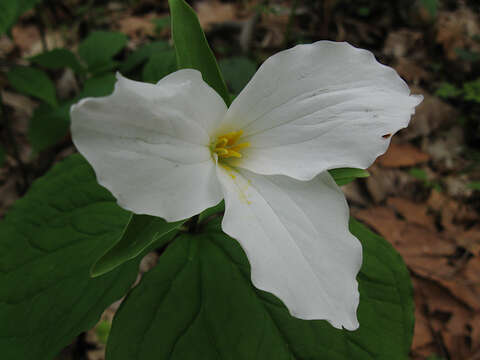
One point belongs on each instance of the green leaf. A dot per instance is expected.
(159, 65)
(474, 185)
(162, 23)
(199, 303)
(447, 91)
(191, 46)
(418, 174)
(343, 176)
(58, 59)
(237, 72)
(102, 331)
(8, 14)
(141, 55)
(467, 55)
(100, 47)
(205, 214)
(140, 233)
(48, 242)
(431, 6)
(98, 86)
(48, 126)
(472, 90)
(34, 82)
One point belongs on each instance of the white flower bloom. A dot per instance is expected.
(174, 149)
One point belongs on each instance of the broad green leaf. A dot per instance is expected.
(34, 82)
(162, 23)
(8, 14)
(141, 55)
(10, 10)
(48, 242)
(191, 46)
(25, 5)
(58, 59)
(199, 303)
(343, 176)
(100, 47)
(237, 72)
(204, 215)
(98, 86)
(48, 126)
(141, 232)
(159, 65)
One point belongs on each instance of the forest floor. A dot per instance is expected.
(423, 195)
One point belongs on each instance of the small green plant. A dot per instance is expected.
(421, 175)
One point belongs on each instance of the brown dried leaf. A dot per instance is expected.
(476, 331)
(456, 29)
(411, 71)
(214, 12)
(400, 43)
(402, 155)
(136, 27)
(413, 212)
(25, 36)
(421, 335)
(470, 239)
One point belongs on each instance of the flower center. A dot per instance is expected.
(226, 145)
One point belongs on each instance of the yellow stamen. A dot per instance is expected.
(225, 146)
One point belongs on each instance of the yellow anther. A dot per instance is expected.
(232, 137)
(233, 153)
(221, 142)
(221, 152)
(225, 146)
(240, 146)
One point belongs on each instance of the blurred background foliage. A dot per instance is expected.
(423, 195)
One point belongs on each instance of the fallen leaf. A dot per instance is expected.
(136, 27)
(456, 29)
(402, 155)
(411, 71)
(416, 213)
(400, 43)
(421, 334)
(25, 36)
(214, 12)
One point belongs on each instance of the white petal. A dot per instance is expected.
(317, 107)
(296, 237)
(149, 144)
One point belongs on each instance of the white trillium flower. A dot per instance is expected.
(174, 149)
